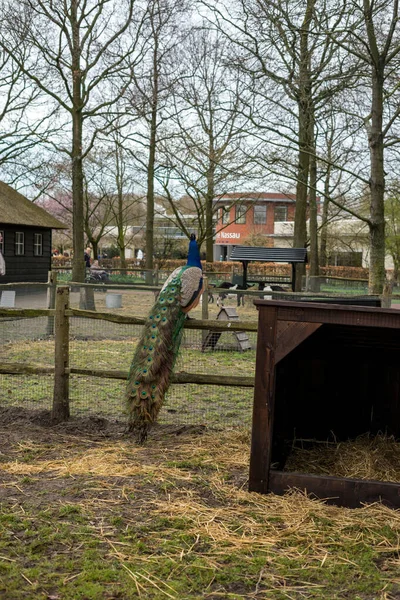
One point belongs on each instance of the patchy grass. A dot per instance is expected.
(86, 516)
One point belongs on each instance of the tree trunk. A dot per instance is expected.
(304, 108)
(377, 186)
(121, 246)
(151, 168)
(120, 210)
(314, 262)
(78, 263)
(300, 227)
(325, 211)
(209, 213)
(396, 269)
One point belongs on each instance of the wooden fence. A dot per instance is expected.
(59, 323)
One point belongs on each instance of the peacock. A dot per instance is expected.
(157, 350)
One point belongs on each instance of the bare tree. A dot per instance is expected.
(23, 123)
(372, 36)
(204, 157)
(81, 54)
(125, 205)
(392, 214)
(164, 29)
(293, 68)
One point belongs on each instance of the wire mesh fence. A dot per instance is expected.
(103, 345)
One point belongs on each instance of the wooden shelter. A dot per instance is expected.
(323, 370)
(247, 254)
(25, 233)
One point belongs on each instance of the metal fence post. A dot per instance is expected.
(60, 410)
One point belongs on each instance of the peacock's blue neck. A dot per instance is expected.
(193, 259)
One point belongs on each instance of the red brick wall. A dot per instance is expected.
(229, 233)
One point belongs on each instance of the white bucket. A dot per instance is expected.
(114, 300)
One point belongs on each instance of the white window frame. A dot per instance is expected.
(263, 213)
(38, 244)
(19, 243)
(286, 214)
(1, 241)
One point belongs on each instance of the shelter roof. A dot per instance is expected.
(259, 254)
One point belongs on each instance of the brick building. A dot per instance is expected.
(264, 218)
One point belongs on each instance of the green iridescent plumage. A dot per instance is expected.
(157, 350)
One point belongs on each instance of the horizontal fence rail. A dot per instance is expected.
(181, 377)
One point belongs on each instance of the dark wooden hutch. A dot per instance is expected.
(26, 244)
(322, 370)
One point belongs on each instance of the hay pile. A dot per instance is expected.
(366, 457)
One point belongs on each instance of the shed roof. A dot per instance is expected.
(259, 254)
(15, 209)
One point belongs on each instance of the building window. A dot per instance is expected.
(280, 214)
(240, 216)
(225, 215)
(260, 214)
(2, 242)
(19, 243)
(38, 244)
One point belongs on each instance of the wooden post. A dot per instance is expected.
(61, 357)
(264, 400)
(293, 277)
(155, 276)
(386, 298)
(51, 299)
(204, 306)
(86, 298)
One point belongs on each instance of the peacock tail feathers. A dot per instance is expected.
(158, 348)
(155, 357)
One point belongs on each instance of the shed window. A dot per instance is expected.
(240, 214)
(260, 214)
(2, 241)
(19, 243)
(38, 244)
(280, 213)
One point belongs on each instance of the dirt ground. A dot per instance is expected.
(87, 514)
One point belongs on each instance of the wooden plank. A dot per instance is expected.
(263, 406)
(334, 313)
(176, 378)
(27, 313)
(18, 368)
(292, 337)
(189, 324)
(179, 378)
(60, 410)
(337, 490)
(20, 284)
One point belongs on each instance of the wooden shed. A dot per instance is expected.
(25, 233)
(322, 371)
